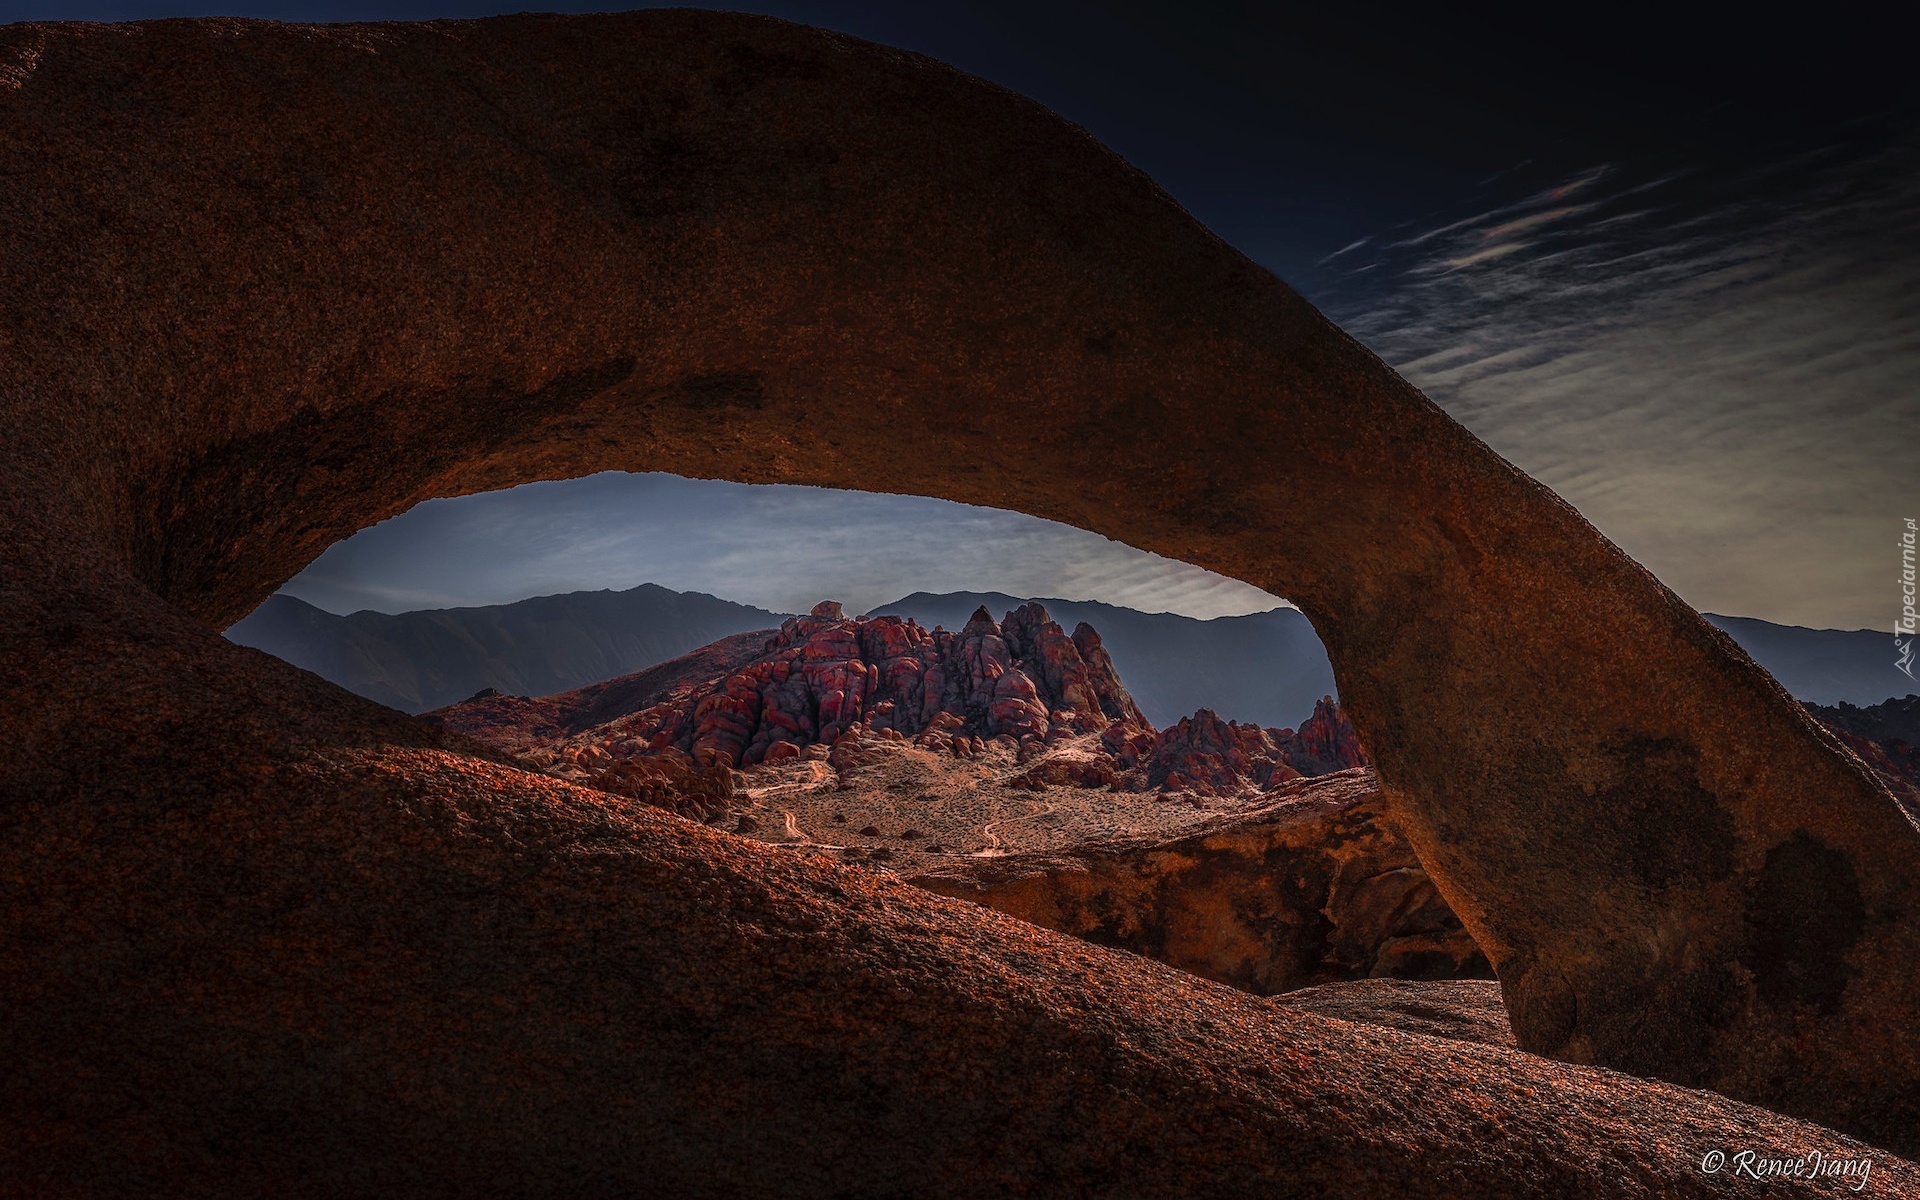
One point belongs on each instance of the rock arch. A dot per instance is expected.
(270, 284)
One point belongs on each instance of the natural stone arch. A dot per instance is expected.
(275, 283)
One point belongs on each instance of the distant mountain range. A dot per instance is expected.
(1821, 666)
(1266, 668)
(423, 660)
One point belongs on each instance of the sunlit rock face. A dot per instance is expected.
(1313, 885)
(824, 676)
(272, 283)
(1021, 683)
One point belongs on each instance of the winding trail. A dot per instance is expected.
(995, 850)
(800, 836)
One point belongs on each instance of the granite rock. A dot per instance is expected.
(270, 284)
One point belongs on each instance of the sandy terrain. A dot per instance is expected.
(897, 807)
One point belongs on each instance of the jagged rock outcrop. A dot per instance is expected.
(1325, 742)
(270, 284)
(1315, 886)
(1204, 753)
(824, 676)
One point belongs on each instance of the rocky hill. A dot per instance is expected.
(1265, 668)
(1022, 684)
(1005, 763)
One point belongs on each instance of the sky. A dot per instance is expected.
(1670, 266)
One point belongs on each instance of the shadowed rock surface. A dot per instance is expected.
(272, 283)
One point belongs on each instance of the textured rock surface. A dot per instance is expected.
(818, 679)
(1314, 886)
(269, 284)
(1325, 742)
(1022, 683)
(1468, 1010)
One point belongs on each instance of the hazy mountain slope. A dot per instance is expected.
(423, 660)
(1821, 666)
(1267, 668)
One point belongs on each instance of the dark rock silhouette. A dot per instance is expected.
(1893, 720)
(272, 283)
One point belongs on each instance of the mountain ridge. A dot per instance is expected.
(1264, 668)
(426, 659)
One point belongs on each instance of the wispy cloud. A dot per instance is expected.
(1349, 248)
(1723, 376)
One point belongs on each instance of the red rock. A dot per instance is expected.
(1127, 742)
(821, 676)
(1209, 754)
(813, 684)
(672, 782)
(1326, 742)
(1067, 772)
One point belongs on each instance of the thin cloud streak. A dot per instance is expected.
(1729, 389)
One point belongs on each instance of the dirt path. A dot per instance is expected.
(800, 836)
(993, 849)
(818, 773)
